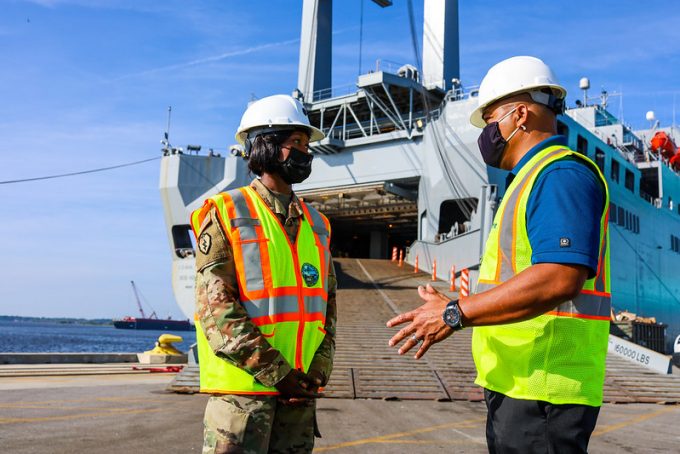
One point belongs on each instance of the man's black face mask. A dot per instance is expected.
(491, 142)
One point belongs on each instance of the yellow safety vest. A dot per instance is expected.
(283, 286)
(559, 356)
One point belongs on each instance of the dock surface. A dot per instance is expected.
(381, 402)
(133, 413)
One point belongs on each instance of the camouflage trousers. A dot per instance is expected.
(257, 425)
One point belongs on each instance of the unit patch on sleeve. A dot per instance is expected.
(204, 242)
(310, 274)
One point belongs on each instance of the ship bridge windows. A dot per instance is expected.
(582, 145)
(455, 215)
(562, 128)
(675, 244)
(599, 158)
(630, 181)
(603, 117)
(649, 184)
(624, 218)
(615, 170)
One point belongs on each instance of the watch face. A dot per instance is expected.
(452, 315)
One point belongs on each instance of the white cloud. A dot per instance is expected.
(210, 59)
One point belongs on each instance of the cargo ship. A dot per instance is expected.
(152, 322)
(400, 167)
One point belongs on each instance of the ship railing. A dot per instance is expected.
(383, 125)
(334, 92)
(460, 92)
(388, 66)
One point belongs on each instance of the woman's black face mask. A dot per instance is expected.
(296, 167)
(491, 142)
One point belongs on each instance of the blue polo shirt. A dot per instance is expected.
(563, 210)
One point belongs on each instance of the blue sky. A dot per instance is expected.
(86, 83)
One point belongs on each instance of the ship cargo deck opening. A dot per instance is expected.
(367, 220)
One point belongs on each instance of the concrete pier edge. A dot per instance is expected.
(67, 358)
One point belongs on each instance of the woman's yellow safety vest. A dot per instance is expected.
(283, 286)
(559, 356)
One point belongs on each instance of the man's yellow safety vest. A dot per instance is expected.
(559, 356)
(282, 285)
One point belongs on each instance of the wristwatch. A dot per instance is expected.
(452, 317)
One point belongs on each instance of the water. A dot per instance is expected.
(41, 337)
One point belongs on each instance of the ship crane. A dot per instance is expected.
(139, 303)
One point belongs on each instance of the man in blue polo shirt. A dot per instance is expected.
(567, 195)
(541, 311)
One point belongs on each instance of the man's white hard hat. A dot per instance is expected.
(513, 76)
(274, 113)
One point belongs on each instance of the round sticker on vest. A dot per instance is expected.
(204, 243)
(310, 274)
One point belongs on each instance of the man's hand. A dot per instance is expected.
(426, 323)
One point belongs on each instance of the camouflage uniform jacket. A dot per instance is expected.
(226, 324)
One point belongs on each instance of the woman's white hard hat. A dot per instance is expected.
(513, 76)
(273, 113)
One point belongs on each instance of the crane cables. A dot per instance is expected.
(81, 172)
(439, 137)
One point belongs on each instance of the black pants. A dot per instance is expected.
(530, 426)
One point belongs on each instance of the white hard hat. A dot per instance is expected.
(513, 76)
(275, 112)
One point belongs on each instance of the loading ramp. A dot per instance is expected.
(370, 292)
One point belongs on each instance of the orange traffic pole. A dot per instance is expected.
(415, 268)
(434, 270)
(452, 280)
(464, 283)
(401, 258)
(394, 254)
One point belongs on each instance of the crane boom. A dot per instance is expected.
(139, 303)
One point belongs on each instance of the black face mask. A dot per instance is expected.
(297, 167)
(491, 142)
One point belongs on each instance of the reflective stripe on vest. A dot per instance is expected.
(558, 357)
(282, 285)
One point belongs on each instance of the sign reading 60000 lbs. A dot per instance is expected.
(639, 355)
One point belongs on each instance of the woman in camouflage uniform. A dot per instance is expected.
(277, 412)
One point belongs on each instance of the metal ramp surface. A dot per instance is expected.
(370, 292)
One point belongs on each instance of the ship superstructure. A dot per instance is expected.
(400, 167)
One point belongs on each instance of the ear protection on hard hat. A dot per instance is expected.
(250, 138)
(552, 102)
(247, 147)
